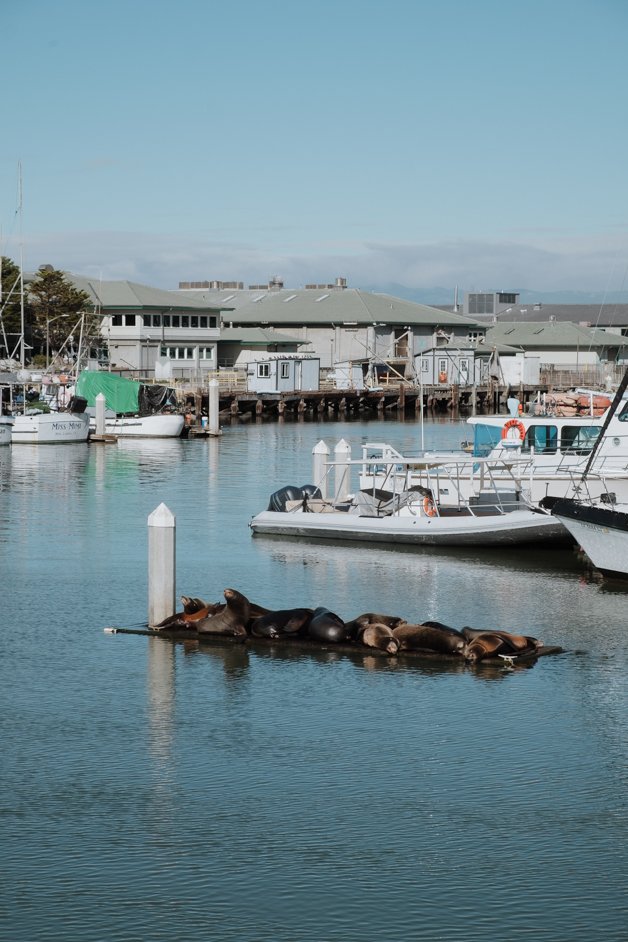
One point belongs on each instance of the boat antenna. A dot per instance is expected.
(609, 415)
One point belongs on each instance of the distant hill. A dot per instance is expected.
(439, 295)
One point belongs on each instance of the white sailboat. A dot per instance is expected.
(35, 426)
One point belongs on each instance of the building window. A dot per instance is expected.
(178, 353)
(116, 320)
(504, 298)
(204, 322)
(285, 371)
(475, 335)
(425, 364)
(175, 320)
(212, 322)
(206, 353)
(194, 321)
(263, 370)
(185, 320)
(442, 366)
(166, 320)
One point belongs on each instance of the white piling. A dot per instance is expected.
(214, 407)
(342, 480)
(100, 414)
(161, 564)
(320, 454)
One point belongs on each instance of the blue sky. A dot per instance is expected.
(473, 142)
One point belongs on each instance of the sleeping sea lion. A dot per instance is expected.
(286, 622)
(326, 626)
(232, 619)
(355, 626)
(485, 645)
(428, 638)
(380, 637)
(518, 643)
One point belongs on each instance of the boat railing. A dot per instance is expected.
(435, 484)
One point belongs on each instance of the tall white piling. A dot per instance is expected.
(342, 478)
(161, 564)
(100, 414)
(320, 454)
(214, 407)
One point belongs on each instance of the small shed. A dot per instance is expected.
(453, 365)
(283, 374)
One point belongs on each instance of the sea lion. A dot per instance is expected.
(356, 625)
(186, 620)
(285, 622)
(192, 605)
(232, 619)
(485, 645)
(326, 626)
(518, 643)
(380, 637)
(428, 638)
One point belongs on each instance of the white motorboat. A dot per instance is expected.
(601, 529)
(550, 451)
(413, 514)
(49, 428)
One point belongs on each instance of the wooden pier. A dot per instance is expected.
(402, 399)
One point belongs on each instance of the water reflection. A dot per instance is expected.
(161, 696)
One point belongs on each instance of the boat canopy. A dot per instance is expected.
(123, 396)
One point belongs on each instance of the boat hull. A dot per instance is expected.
(6, 424)
(601, 532)
(147, 426)
(50, 428)
(520, 526)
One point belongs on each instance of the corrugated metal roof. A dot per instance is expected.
(130, 295)
(326, 306)
(553, 334)
(605, 315)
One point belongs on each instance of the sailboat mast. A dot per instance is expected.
(22, 320)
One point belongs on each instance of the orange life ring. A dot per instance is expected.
(514, 423)
(428, 507)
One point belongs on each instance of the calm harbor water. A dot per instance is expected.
(158, 791)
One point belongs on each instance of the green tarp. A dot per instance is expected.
(121, 395)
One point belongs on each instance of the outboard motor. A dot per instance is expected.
(279, 499)
(76, 404)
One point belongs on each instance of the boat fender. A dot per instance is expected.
(514, 423)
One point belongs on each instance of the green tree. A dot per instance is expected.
(54, 307)
(10, 314)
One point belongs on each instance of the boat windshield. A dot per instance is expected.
(578, 441)
(485, 438)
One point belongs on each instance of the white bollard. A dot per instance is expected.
(214, 407)
(320, 454)
(342, 480)
(161, 564)
(100, 414)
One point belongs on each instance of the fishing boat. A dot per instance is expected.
(132, 409)
(438, 512)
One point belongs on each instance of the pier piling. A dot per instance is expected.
(161, 564)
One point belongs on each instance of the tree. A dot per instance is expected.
(10, 313)
(54, 307)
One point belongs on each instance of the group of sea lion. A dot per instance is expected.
(240, 618)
